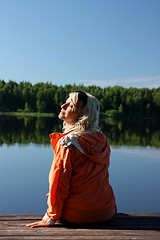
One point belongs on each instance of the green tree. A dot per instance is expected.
(41, 106)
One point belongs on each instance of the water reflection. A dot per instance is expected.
(120, 133)
(134, 171)
(27, 129)
(134, 175)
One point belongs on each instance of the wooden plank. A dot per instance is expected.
(126, 226)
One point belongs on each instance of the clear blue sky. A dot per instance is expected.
(101, 42)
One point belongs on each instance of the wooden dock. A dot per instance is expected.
(125, 227)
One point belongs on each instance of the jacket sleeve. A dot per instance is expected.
(59, 184)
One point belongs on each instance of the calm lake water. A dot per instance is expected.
(26, 157)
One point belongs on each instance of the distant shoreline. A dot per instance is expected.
(102, 115)
(27, 114)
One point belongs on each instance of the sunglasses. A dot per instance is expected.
(82, 96)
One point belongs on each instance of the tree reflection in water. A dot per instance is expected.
(136, 132)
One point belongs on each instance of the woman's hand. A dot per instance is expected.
(36, 224)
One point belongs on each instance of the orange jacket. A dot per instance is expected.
(79, 181)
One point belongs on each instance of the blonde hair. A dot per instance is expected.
(89, 119)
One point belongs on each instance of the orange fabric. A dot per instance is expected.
(79, 183)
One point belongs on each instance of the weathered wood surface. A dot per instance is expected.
(125, 227)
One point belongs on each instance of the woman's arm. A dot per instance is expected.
(59, 184)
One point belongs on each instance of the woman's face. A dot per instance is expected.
(69, 113)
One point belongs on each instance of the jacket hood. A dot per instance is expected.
(94, 145)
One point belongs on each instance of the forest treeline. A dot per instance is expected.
(47, 97)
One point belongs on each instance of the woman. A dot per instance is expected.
(79, 189)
